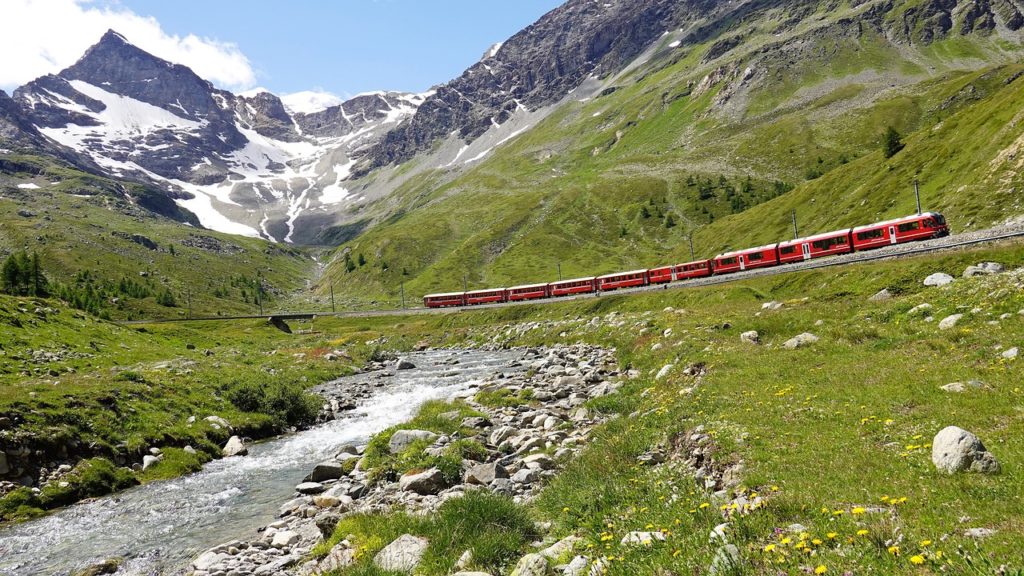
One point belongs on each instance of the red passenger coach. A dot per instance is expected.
(747, 259)
(827, 244)
(444, 300)
(486, 296)
(529, 292)
(917, 227)
(622, 280)
(698, 269)
(575, 286)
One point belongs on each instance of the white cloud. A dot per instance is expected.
(310, 101)
(46, 36)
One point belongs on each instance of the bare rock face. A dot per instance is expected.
(956, 450)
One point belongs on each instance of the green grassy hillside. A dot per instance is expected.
(104, 243)
(725, 146)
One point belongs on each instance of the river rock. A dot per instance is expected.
(800, 340)
(950, 321)
(955, 449)
(500, 434)
(484, 474)
(750, 337)
(284, 539)
(339, 557)
(208, 560)
(148, 461)
(938, 279)
(403, 554)
(423, 483)
(531, 565)
(326, 471)
(405, 364)
(235, 447)
(401, 439)
(310, 488)
(109, 566)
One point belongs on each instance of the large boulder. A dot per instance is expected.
(423, 483)
(531, 565)
(326, 471)
(800, 340)
(402, 555)
(983, 269)
(401, 439)
(938, 279)
(750, 337)
(235, 447)
(955, 449)
(405, 364)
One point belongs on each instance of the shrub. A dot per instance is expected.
(91, 478)
(285, 402)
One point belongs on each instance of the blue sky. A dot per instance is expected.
(349, 46)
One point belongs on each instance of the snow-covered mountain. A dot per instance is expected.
(247, 164)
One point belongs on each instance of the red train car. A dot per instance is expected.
(826, 244)
(528, 292)
(665, 274)
(746, 259)
(574, 286)
(622, 280)
(488, 296)
(917, 227)
(444, 300)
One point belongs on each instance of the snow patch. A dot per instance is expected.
(675, 44)
(29, 186)
(309, 101)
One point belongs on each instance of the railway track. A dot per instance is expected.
(887, 253)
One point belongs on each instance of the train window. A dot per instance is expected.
(907, 227)
(787, 249)
(828, 243)
(940, 219)
(755, 256)
(870, 234)
(727, 261)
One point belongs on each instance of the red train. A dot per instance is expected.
(917, 227)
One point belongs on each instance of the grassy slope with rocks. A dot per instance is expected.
(834, 436)
(91, 237)
(573, 190)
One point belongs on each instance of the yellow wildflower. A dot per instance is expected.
(821, 569)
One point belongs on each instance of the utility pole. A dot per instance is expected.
(465, 283)
(559, 270)
(333, 309)
(402, 289)
(188, 296)
(259, 292)
(691, 247)
(796, 233)
(917, 193)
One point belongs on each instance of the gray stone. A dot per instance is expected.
(561, 549)
(148, 461)
(1010, 353)
(218, 423)
(531, 565)
(526, 476)
(500, 434)
(542, 461)
(405, 364)
(955, 449)
(472, 574)
(235, 447)
(800, 340)
(963, 386)
(750, 337)
(642, 538)
(938, 279)
(881, 296)
(208, 560)
(484, 474)
(284, 538)
(983, 269)
(577, 567)
(727, 560)
(950, 321)
(310, 488)
(423, 483)
(920, 309)
(403, 554)
(979, 532)
(339, 557)
(663, 372)
(326, 471)
(773, 305)
(401, 439)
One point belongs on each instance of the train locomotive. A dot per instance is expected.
(922, 226)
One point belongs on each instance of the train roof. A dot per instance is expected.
(485, 291)
(538, 285)
(586, 279)
(896, 221)
(614, 274)
(705, 261)
(821, 236)
(746, 251)
(444, 295)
